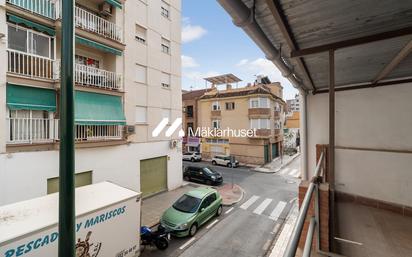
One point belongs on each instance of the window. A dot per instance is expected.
(217, 141)
(165, 46)
(141, 73)
(216, 124)
(277, 107)
(189, 129)
(29, 41)
(78, 59)
(166, 113)
(278, 125)
(141, 34)
(261, 102)
(260, 124)
(189, 111)
(81, 179)
(141, 114)
(216, 106)
(165, 80)
(230, 106)
(165, 10)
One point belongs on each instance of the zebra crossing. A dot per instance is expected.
(290, 172)
(265, 206)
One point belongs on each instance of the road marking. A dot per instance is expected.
(249, 202)
(283, 172)
(228, 211)
(294, 172)
(261, 208)
(187, 243)
(211, 224)
(277, 211)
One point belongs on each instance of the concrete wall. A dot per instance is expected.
(376, 118)
(24, 175)
(3, 69)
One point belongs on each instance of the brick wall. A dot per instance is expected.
(324, 215)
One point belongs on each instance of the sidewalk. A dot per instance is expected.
(277, 164)
(154, 206)
(282, 239)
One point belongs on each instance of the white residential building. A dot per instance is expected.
(127, 75)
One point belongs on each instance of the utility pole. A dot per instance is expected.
(67, 238)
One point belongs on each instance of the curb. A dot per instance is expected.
(269, 251)
(236, 201)
(281, 167)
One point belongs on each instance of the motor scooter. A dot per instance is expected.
(159, 238)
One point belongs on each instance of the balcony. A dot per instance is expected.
(259, 111)
(90, 76)
(90, 22)
(45, 8)
(263, 133)
(98, 132)
(32, 130)
(41, 130)
(30, 65)
(215, 113)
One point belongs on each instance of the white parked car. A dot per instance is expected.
(193, 157)
(224, 160)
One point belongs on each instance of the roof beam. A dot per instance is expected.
(352, 42)
(284, 27)
(403, 53)
(367, 85)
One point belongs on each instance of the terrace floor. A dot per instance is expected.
(381, 233)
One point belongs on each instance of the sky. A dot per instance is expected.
(212, 45)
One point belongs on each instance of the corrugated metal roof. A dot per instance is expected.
(319, 22)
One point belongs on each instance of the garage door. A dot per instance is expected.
(80, 179)
(153, 175)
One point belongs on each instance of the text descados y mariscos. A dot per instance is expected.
(48, 239)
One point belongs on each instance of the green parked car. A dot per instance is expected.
(191, 211)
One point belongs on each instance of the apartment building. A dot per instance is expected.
(258, 106)
(190, 100)
(293, 105)
(127, 79)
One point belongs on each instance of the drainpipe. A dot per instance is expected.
(243, 17)
(303, 135)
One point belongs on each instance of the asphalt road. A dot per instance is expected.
(248, 228)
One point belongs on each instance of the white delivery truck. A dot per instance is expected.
(107, 224)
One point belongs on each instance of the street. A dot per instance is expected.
(247, 228)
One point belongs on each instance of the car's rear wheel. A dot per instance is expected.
(229, 165)
(192, 160)
(219, 211)
(193, 229)
(187, 178)
(214, 162)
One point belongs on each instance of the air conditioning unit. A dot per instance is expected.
(105, 9)
(129, 130)
(173, 143)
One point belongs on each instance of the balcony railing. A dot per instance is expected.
(30, 65)
(313, 191)
(93, 23)
(98, 132)
(46, 8)
(90, 76)
(41, 130)
(32, 130)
